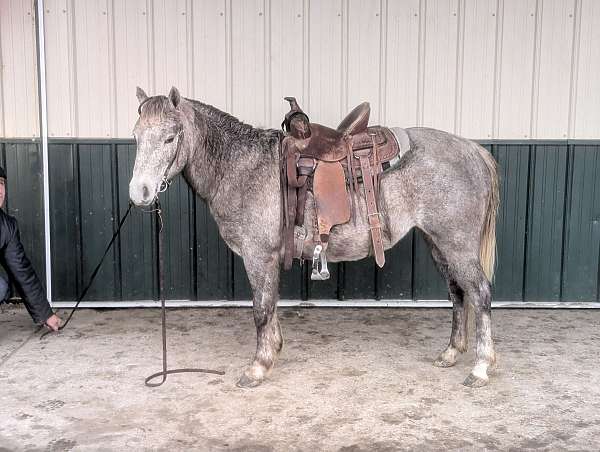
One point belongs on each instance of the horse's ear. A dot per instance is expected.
(174, 96)
(141, 95)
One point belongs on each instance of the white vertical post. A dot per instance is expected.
(41, 57)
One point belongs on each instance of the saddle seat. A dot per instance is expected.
(357, 120)
(325, 143)
(332, 163)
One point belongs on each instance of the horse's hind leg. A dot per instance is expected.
(468, 287)
(459, 335)
(264, 279)
(477, 293)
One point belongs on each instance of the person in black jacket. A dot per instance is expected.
(16, 264)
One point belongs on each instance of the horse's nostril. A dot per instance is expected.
(145, 192)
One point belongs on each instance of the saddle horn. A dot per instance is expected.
(296, 122)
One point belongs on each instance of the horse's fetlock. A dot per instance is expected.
(480, 370)
(462, 345)
(279, 345)
(492, 358)
(447, 358)
(264, 362)
(258, 370)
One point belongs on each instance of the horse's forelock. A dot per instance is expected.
(156, 109)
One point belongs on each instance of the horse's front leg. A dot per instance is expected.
(263, 273)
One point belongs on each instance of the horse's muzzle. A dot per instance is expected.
(141, 193)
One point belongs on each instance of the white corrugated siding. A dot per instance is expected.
(508, 69)
(18, 76)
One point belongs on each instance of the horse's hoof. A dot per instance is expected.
(473, 381)
(246, 382)
(441, 362)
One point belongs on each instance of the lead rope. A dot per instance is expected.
(159, 229)
(161, 283)
(94, 273)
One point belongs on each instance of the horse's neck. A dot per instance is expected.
(226, 156)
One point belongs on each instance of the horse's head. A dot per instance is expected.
(159, 136)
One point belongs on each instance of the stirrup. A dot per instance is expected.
(319, 257)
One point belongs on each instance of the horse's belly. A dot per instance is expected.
(347, 242)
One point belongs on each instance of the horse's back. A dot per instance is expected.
(443, 181)
(446, 161)
(445, 147)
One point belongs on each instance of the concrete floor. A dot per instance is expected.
(348, 380)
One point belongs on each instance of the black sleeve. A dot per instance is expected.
(27, 281)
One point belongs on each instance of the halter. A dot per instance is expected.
(164, 182)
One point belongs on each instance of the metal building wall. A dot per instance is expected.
(507, 69)
(548, 235)
(18, 72)
(548, 232)
(497, 69)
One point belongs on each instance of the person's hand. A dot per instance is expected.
(53, 322)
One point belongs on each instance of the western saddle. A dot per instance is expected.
(332, 163)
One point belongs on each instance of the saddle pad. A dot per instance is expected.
(402, 139)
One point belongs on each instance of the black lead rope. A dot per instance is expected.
(161, 284)
(161, 281)
(94, 273)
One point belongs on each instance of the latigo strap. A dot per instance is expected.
(372, 213)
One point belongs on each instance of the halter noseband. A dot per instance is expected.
(164, 182)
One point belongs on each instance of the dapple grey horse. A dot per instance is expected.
(445, 185)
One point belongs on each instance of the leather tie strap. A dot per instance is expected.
(372, 213)
(352, 182)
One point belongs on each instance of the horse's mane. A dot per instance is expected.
(225, 134)
(225, 120)
(223, 126)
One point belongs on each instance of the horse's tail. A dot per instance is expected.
(487, 251)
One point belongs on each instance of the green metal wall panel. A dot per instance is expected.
(24, 198)
(548, 232)
(394, 281)
(513, 168)
(291, 283)
(137, 239)
(213, 258)
(177, 206)
(359, 279)
(427, 282)
(326, 290)
(98, 219)
(582, 235)
(546, 208)
(241, 289)
(66, 224)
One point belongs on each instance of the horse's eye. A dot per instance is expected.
(169, 140)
